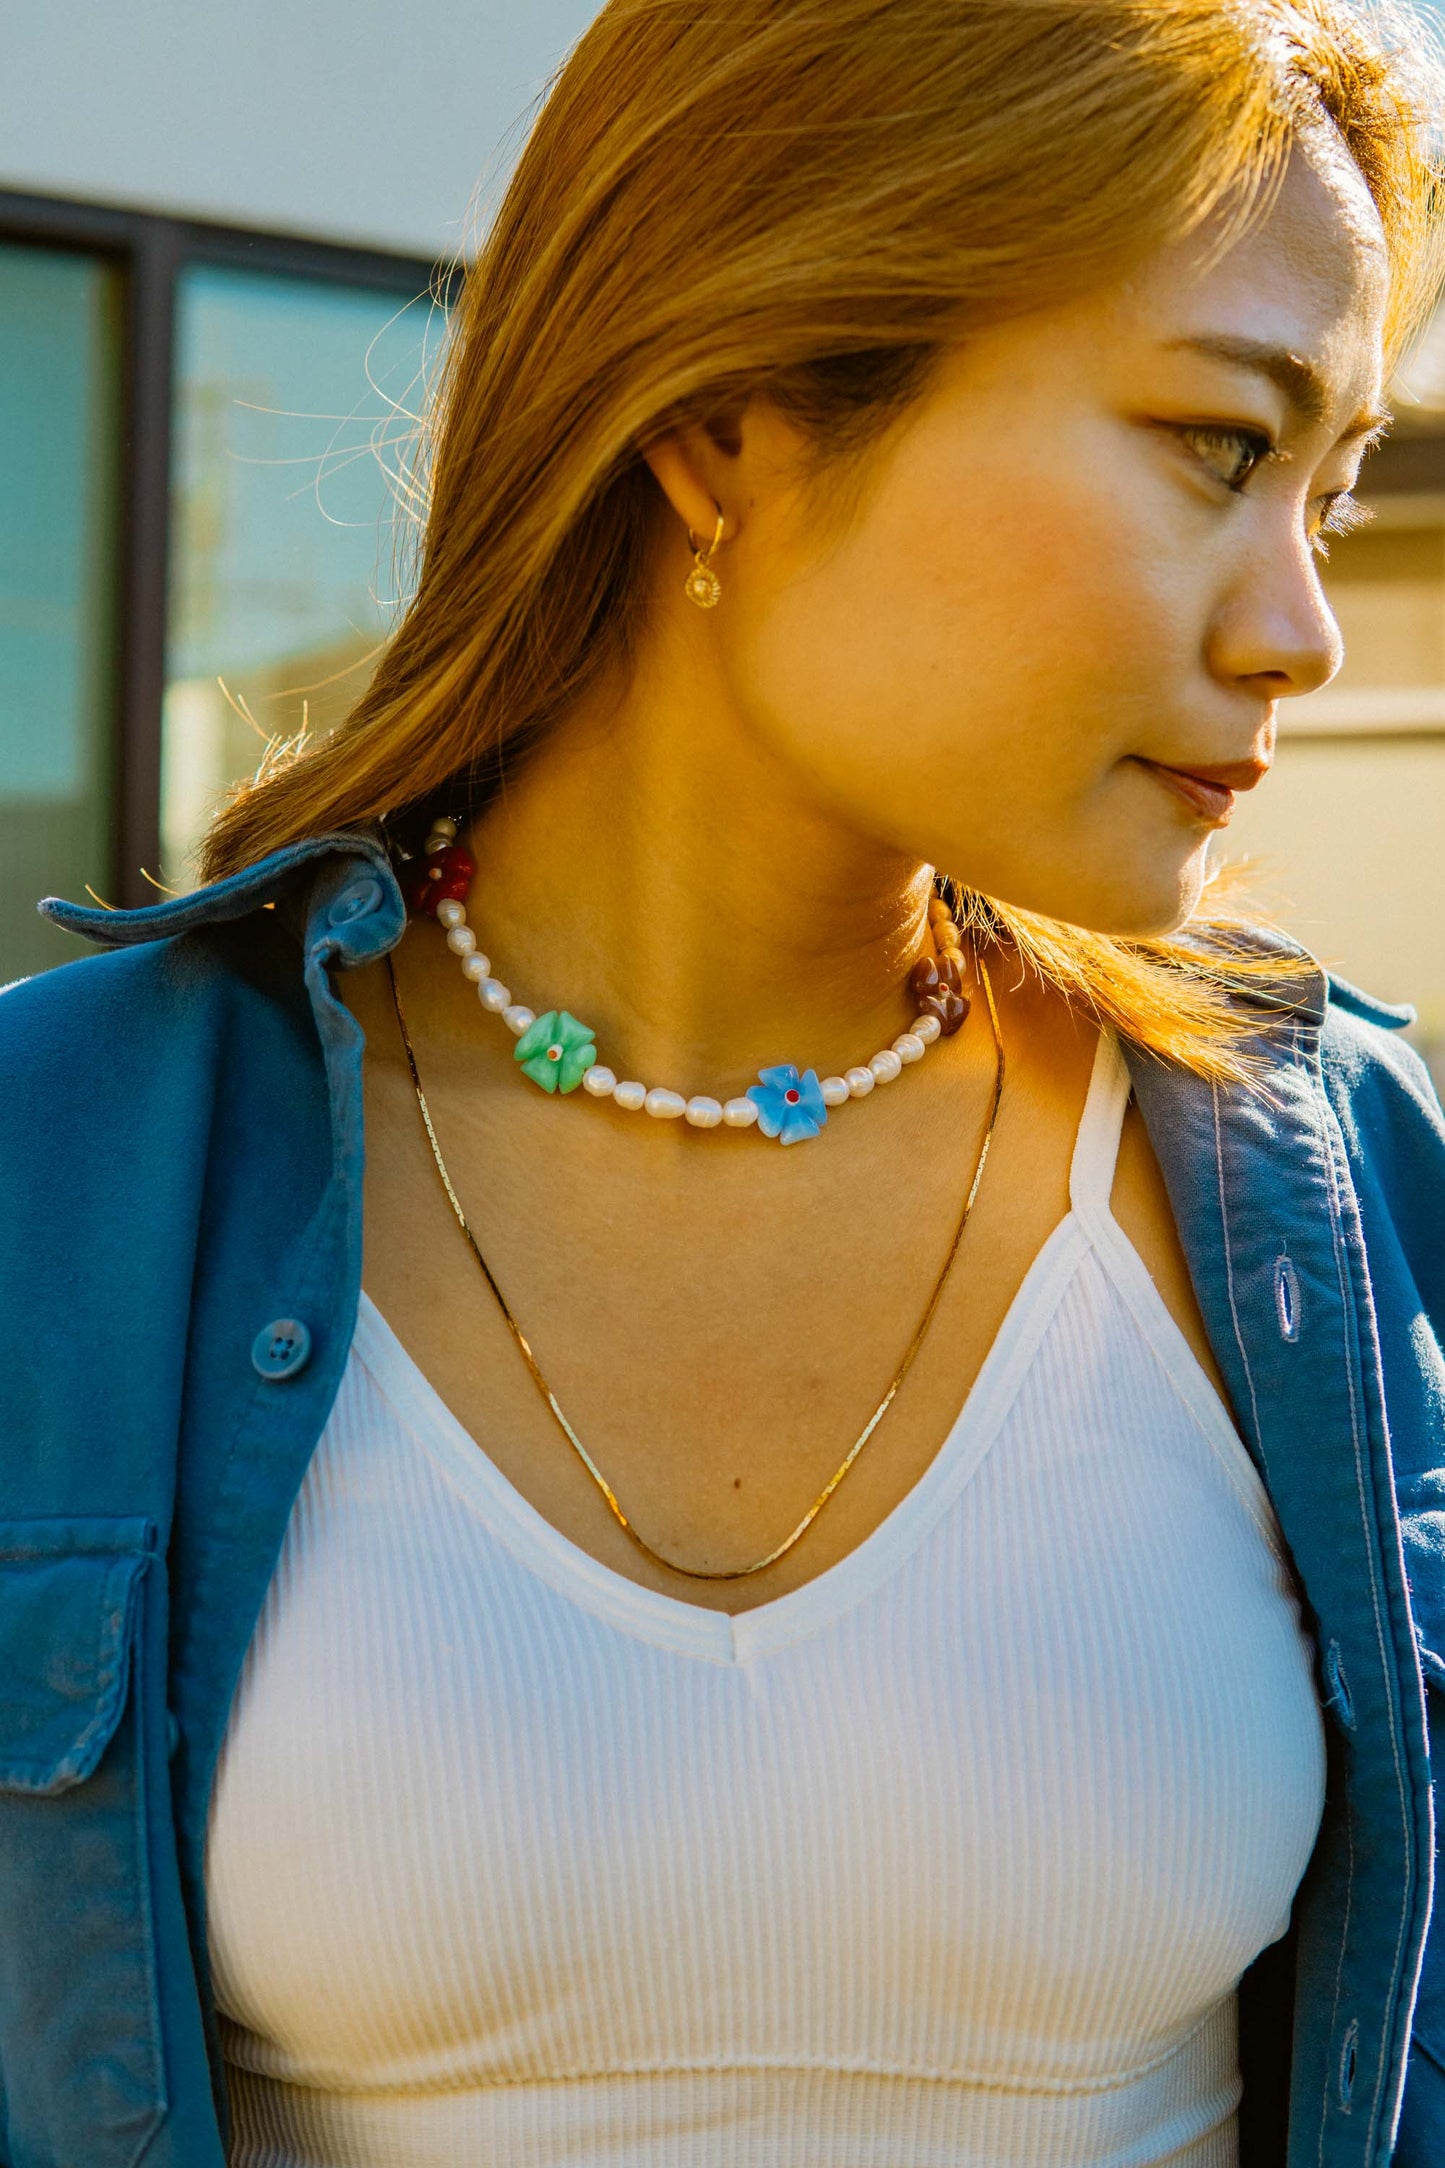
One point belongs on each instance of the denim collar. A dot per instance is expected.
(336, 894)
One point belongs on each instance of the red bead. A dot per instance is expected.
(792, 1098)
(440, 877)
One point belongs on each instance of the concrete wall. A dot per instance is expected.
(358, 120)
(354, 120)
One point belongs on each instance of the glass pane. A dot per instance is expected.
(59, 439)
(294, 404)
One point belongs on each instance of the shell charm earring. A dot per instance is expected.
(702, 584)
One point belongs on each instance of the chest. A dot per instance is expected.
(718, 1340)
(1049, 1736)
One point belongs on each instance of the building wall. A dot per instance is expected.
(1346, 839)
(349, 120)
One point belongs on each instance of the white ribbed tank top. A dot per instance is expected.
(952, 1856)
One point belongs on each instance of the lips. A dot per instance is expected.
(1209, 792)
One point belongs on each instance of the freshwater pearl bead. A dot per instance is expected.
(936, 982)
(445, 827)
(434, 843)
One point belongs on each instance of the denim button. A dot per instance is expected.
(354, 901)
(281, 1348)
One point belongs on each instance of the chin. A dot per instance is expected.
(1163, 904)
(1158, 902)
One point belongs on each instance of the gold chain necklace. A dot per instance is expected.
(734, 1573)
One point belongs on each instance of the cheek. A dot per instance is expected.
(1004, 635)
(964, 684)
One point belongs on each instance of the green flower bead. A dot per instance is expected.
(556, 1051)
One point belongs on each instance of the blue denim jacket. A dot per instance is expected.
(180, 1258)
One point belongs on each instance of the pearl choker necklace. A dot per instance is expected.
(557, 1052)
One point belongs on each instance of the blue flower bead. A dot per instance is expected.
(790, 1105)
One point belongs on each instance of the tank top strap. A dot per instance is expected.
(1096, 1147)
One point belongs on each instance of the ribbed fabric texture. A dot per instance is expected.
(953, 1856)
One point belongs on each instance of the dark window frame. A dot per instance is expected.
(150, 251)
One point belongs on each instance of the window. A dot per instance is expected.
(194, 437)
(292, 405)
(59, 421)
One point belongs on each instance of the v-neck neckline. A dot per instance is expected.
(691, 1629)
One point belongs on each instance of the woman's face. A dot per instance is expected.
(1081, 571)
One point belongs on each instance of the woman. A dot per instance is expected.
(675, 1649)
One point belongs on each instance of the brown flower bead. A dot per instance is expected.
(950, 972)
(925, 977)
(949, 1006)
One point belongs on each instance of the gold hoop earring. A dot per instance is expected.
(702, 584)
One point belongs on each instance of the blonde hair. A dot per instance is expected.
(811, 198)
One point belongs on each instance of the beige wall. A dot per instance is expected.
(1349, 843)
(1347, 837)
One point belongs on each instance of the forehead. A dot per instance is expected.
(1311, 275)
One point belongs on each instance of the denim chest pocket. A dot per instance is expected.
(1423, 1535)
(82, 2076)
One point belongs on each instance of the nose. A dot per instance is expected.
(1274, 632)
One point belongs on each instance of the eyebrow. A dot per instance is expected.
(1300, 381)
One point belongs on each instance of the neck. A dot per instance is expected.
(666, 881)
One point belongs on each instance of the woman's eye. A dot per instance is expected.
(1232, 455)
(1339, 513)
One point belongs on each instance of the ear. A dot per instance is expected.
(693, 468)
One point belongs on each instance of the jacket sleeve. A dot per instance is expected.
(1394, 1132)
